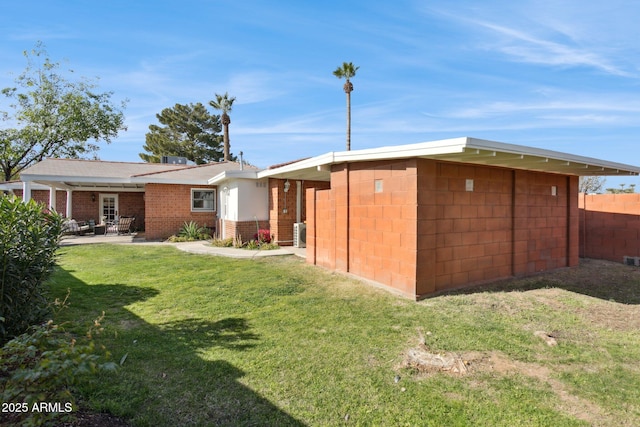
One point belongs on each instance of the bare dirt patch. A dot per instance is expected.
(426, 362)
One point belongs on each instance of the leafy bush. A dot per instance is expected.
(41, 367)
(189, 232)
(223, 243)
(262, 236)
(29, 238)
(192, 231)
(252, 244)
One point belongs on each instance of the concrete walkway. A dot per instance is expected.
(198, 247)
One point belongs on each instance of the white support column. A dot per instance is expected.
(26, 191)
(52, 198)
(298, 201)
(69, 204)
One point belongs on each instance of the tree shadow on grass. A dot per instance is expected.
(231, 333)
(601, 279)
(163, 380)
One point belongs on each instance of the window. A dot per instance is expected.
(203, 199)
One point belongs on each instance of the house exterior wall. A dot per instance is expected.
(252, 201)
(168, 206)
(246, 230)
(428, 229)
(609, 226)
(42, 196)
(280, 222)
(85, 208)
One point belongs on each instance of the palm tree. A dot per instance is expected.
(347, 70)
(224, 103)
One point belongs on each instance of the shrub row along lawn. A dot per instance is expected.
(213, 341)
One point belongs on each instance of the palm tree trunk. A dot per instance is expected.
(226, 120)
(226, 143)
(348, 121)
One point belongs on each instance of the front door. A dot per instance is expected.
(108, 207)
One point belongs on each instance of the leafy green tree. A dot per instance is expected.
(188, 131)
(347, 71)
(51, 116)
(224, 104)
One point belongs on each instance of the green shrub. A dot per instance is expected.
(223, 243)
(29, 238)
(192, 231)
(40, 367)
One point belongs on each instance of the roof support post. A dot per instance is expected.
(52, 198)
(26, 191)
(68, 212)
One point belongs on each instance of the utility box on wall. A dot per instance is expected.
(300, 235)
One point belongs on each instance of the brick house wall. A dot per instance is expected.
(281, 223)
(609, 226)
(42, 196)
(86, 204)
(168, 206)
(420, 226)
(244, 229)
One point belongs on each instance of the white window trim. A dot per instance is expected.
(213, 190)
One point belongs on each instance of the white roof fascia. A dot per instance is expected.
(313, 162)
(60, 178)
(233, 174)
(421, 149)
(18, 185)
(184, 181)
(465, 150)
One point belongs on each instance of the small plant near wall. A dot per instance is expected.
(222, 243)
(189, 232)
(261, 241)
(262, 236)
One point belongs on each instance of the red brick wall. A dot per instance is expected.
(609, 226)
(280, 223)
(42, 196)
(245, 229)
(168, 207)
(84, 208)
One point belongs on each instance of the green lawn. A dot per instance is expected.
(216, 341)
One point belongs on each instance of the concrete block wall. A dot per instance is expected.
(473, 224)
(382, 228)
(609, 226)
(439, 225)
(168, 207)
(321, 225)
(545, 225)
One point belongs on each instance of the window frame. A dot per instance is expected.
(193, 199)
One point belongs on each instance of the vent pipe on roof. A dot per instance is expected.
(241, 162)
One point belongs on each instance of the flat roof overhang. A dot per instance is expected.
(461, 150)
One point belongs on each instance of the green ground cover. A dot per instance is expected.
(214, 341)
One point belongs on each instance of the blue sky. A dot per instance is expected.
(561, 75)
